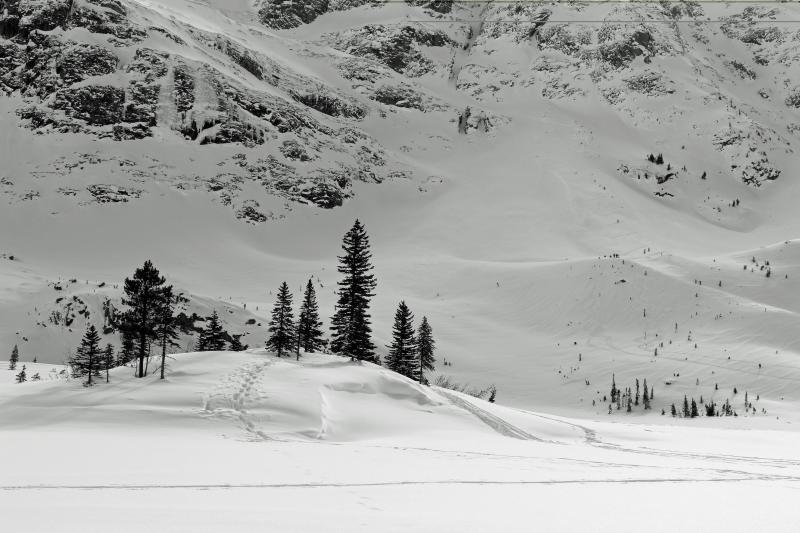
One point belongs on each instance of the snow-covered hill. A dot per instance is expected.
(238, 441)
(234, 143)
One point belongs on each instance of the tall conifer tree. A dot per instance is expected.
(281, 327)
(425, 347)
(402, 356)
(351, 322)
(309, 334)
(144, 293)
(166, 327)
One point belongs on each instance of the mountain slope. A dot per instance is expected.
(502, 235)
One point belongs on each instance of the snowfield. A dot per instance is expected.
(550, 254)
(237, 441)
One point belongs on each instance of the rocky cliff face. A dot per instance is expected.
(309, 83)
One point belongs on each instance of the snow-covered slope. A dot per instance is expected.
(264, 136)
(242, 440)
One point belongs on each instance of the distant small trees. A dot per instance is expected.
(309, 332)
(281, 327)
(87, 360)
(14, 359)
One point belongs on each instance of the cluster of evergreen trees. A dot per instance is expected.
(148, 320)
(411, 353)
(628, 398)
(690, 410)
(290, 336)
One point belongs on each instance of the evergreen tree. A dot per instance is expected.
(425, 347)
(12, 362)
(402, 356)
(212, 338)
(87, 360)
(281, 327)
(108, 359)
(144, 294)
(351, 324)
(166, 326)
(694, 412)
(236, 344)
(686, 411)
(645, 396)
(614, 390)
(127, 351)
(673, 410)
(309, 334)
(637, 392)
(22, 376)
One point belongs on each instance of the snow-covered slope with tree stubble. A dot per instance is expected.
(234, 142)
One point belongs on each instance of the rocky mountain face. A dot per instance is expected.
(118, 70)
(495, 148)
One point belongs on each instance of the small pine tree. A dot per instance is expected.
(236, 344)
(127, 351)
(12, 362)
(694, 412)
(309, 332)
(281, 327)
(645, 396)
(636, 402)
(425, 347)
(108, 359)
(36, 377)
(87, 360)
(686, 411)
(674, 411)
(212, 338)
(614, 390)
(402, 357)
(629, 404)
(22, 377)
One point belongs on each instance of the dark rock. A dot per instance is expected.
(98, 105)
(81, 61)
(294, 150)
(283, 14)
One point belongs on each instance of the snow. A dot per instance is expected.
(503, 240)
(234, 440)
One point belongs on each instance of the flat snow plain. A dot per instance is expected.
(245, 441)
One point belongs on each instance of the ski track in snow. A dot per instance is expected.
(494, 422)
(201, 486)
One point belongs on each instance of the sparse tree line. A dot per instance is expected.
(628, 398)
(148, 323)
